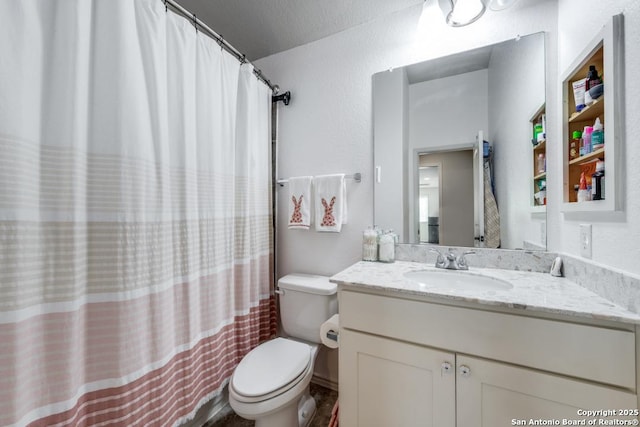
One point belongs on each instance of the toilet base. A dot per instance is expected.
(306, 409)
(299, 414)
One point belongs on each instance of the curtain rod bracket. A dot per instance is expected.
(285, 97)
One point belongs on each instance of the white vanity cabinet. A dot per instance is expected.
(412, 362)
(385, 382)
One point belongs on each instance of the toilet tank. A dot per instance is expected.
(306, 301)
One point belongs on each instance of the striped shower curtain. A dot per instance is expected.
(135, 214)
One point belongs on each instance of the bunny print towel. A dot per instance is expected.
(330, 202)
(300, 202)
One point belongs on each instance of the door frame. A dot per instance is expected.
(414, 221)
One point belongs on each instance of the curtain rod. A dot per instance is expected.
(198, 24)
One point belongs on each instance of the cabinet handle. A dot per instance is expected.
(465, 371)
(446, 367)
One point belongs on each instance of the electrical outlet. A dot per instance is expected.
(585, 240)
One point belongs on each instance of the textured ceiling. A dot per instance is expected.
(260, 28)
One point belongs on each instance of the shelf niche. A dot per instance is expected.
(605, 51)
(539, 182)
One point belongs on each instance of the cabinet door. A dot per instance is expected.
(493, 394)
(390, 383)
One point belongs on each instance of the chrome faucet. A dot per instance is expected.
(451, 261)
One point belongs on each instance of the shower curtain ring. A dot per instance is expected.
(166, 7)
(195, 22)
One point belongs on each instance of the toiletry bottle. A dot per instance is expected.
(592, 77)
(597, 182)
(597, 137)
(579, 93)
(586, 139)
(574, 146)
(583, 192)
(540, 163)
(592, 81)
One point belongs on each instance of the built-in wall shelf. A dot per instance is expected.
(605, 52)
(537, 124)
(590, 112)
(587, 158)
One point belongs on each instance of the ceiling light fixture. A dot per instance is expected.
(459, 13)
(462, 12)
(500, 4)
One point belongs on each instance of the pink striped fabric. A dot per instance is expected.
(170, 392)
(136, 226)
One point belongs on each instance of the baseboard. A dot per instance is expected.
(326, 383)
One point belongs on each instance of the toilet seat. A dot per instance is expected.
(271, 369)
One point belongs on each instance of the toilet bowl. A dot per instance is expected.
(271, 383)
(281, 397)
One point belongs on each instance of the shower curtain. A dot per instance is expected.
(135, 214)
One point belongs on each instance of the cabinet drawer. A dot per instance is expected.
(590, 352)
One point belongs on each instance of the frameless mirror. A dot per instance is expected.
(457, 148)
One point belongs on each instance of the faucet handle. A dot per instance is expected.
(462, 262)
(451, 255)
(440, 262)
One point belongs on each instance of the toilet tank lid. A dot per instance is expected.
(309, 283)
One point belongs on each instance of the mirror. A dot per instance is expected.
(458, 146)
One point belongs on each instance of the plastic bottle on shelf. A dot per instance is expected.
(597, 182)
(597, 137)
(583, 193)
(592, 77)
(592, 81)
(540, 164)
(574, 145)
(586, 139)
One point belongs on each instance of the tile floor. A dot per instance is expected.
(325, 399)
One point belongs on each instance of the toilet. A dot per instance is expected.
(271, 383)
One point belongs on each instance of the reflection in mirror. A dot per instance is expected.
(429, 178)
(450, 105)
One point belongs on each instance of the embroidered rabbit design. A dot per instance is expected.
(296, 217)
(328, 220)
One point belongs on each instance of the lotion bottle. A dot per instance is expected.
(586, 139)
(597, 137)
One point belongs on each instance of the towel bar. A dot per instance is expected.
(357, 177)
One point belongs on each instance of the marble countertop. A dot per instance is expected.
(533, 292)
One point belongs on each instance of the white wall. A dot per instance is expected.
(328, 125)
(516, 92)
(614, 238)
(448, 111)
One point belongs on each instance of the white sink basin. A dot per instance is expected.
(456, 280)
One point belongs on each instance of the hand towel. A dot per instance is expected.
(330, 202)
(300, 202)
